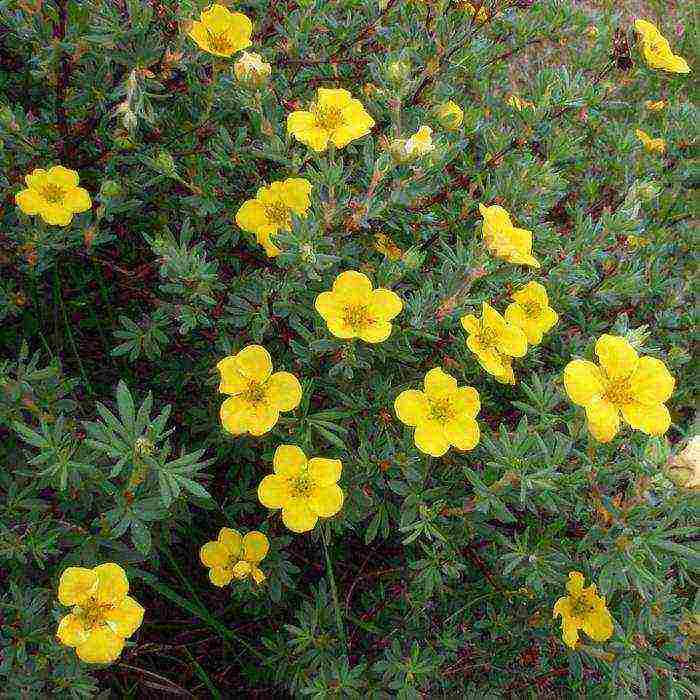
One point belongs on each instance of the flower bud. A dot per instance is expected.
(450, 115)
(110, 188)
(398, 71)
(165, 164)
(251, 70)
(684, 469)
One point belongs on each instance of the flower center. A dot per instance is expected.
(619, 392)
(277, 213)
(487, 337)
(301, 485)
(356, 316)
(581, 607)
(255, 393)
(532, 309)
(441, 410)
(91, 613)
(53, 193)
(328, 118)
(219, 41)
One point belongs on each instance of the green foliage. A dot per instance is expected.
(438, 577)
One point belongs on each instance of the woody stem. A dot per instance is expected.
(325, 536)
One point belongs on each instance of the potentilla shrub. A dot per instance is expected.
(348, 349)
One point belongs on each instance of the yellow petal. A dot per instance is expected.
(466, 401)
(376, 332)
(77, 200)
(198, 33)
(324, 472)
(296, 194)
(255, 546)
(252, 217)
(232, 381)
(598, 625)
(516, 316)
(384, 304)
(112, 583)
(617, 357)
(430, 438)
(102, 646)
(333, 97)
(330, 305)
(325, 501)
(29, 201)
(645, 28)
(254, 362)
(352, 286)
(512, 341)
(651, 382)
(220, 576)
(71, 631)
(289, 460)
(62, 177)
(242, 569)
(411, 407)
(55, 214)
(583, 381)
(232, 540)
(302, 125)
(652, 419)
(284, 391)
(36, 179)
(463, 432)
(76, 584)
(273, 491)
(234, 416)
(298, 517)
(532, 291)
(257, 574)
(490, 318)
(125, 618)
(340, 329)
(262, 418)
(214, 554)
(439, 384)
(574, 585)
(603, 419)
(470, 323)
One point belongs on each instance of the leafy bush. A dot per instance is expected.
(454, 228)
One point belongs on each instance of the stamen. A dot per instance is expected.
(328, 118)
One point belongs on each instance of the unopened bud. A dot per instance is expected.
(450, 115)
(398, 71)
(251, 70)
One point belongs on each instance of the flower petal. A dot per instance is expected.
(234, 415)
(354, 287)
(289, 460)
(125, 618)
(384, 304)
(330, 305)
(214, 554)
(652, 419)
(232, 381)
(220, 576)
(376, 332)
(273, 491)
(255, 546)
(62, 177)
(617, 357)
(302, 125)
(77, 200)
(102, 646)
(284, 391)
(252, 217)
(430, 438)
(326, 501)
(598, 625)
(55, 214)
(411, 407)
(466, 400)
(512, 341)
(29, 201)
(651, 382)
(463, 432)
(603, 419)
(254, 362)
(298, 517)
(232, 540)
(71, 631)
(112, 584)
(262, 418)
(76, 584)
(296, 191)
(574, 586)
(439, 384)
(324, 472)
(583, 381)
(470, 323)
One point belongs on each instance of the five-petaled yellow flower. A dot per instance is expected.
(305, 490)
(221, 32)
(651, 145)
(354, 310)
(531, 312)
(443, 414)
(232, 556)
(624, 383)
(656, 49)
(583, 609)
(335, 116)
(450, 115)
(103, 614)
(271, 210)
(495, 342)
(54, 195)
(505, 240)
(257, 396)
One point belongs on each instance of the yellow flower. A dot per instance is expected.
(651, 145)
(103, 615)
(518, 103)
(257, 396)
(657, 51)
(386, 246)
(335, 117)
(54, 195)
(443, 414)
(531, 312)
(420, 144)
(637, 241)
(252, 69)
(583, 609)
(221, 32)
(305, 490)
(480, 16)
(495, 342)
(624, 383)
(505, 240)
(233, 556)
(655, 105)
(450, 115)
(592, 31)
(271, 210)
(354, 310)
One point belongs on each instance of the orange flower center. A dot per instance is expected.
(581, 607)
(619, 392)
(487, 337)
(219, 42)
(356, 316)
(91, 613)
(277, 213)
(301, 485)
(441, 410)
(255, 393)
(53, 193)
(532, 309)
(328, 118)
